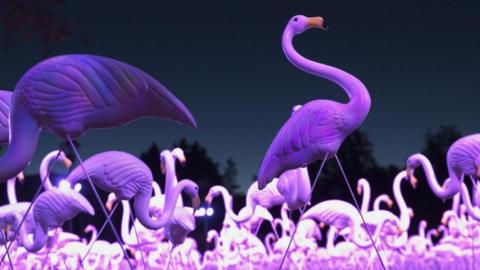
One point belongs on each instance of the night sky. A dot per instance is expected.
(223, 59)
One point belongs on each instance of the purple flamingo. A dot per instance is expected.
(72, 94)
(463, 158)
(319, 127)
(52, 208)
(128, 177)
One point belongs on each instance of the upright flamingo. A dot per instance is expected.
(319, 127)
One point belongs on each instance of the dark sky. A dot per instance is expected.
(223, 59)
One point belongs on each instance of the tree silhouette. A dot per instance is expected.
(24, 21)
(228, 177)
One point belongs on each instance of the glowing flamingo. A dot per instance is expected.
(128, 177)
(319, 127)
(51, 210)
(251, 222)
(72, 94)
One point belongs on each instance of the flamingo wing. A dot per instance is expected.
(333, 212)
(317, 122)
(5, 99)
(99, 91)
(54, 207)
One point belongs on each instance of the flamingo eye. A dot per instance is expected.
(295, 19)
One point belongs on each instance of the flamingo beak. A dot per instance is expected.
(162, 167)
(109, 205)
(182, 161)
(195, 203)
(21, 177)
(321, 225)
(399, 230)
(411, 177)
(317, 22)
(209, 199)
(359, 190)
(444, 221)
(390, 203)
(477, 173)
(67, 163)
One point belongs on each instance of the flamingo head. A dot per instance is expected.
(21, 177)
(359, 189)
(191, 189)
(214, 192)
(412, 163)
(179, 155)
(389, 202)
(299, 24)
(411, 214)
(110, 201)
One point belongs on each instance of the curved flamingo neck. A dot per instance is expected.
(127, 235)
(171, 175)
(397, 192)
(359, 98)
(44, 166)
(377, 202)
(142, 201)
(250, 205)
(11, 192)
(432, 178)
(366, 194)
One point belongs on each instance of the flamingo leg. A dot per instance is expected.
(359, 212)
(138, 241)
(303, 209)
(170, 256)
(97, 196)
(49, 249)
(274, 231)
(99, 233)
(37, 193)
(4, 237)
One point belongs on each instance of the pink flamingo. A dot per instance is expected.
(52, 208)
(319, 127)
(463, 158)
(72, 94)
(259, 214)
(128, 177)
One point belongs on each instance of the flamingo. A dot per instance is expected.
(344, 217)
(71, 94)
(292, 188)
(319, 127)
(463, 158)
(128, 177)
(253, 222)
(52, 208)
